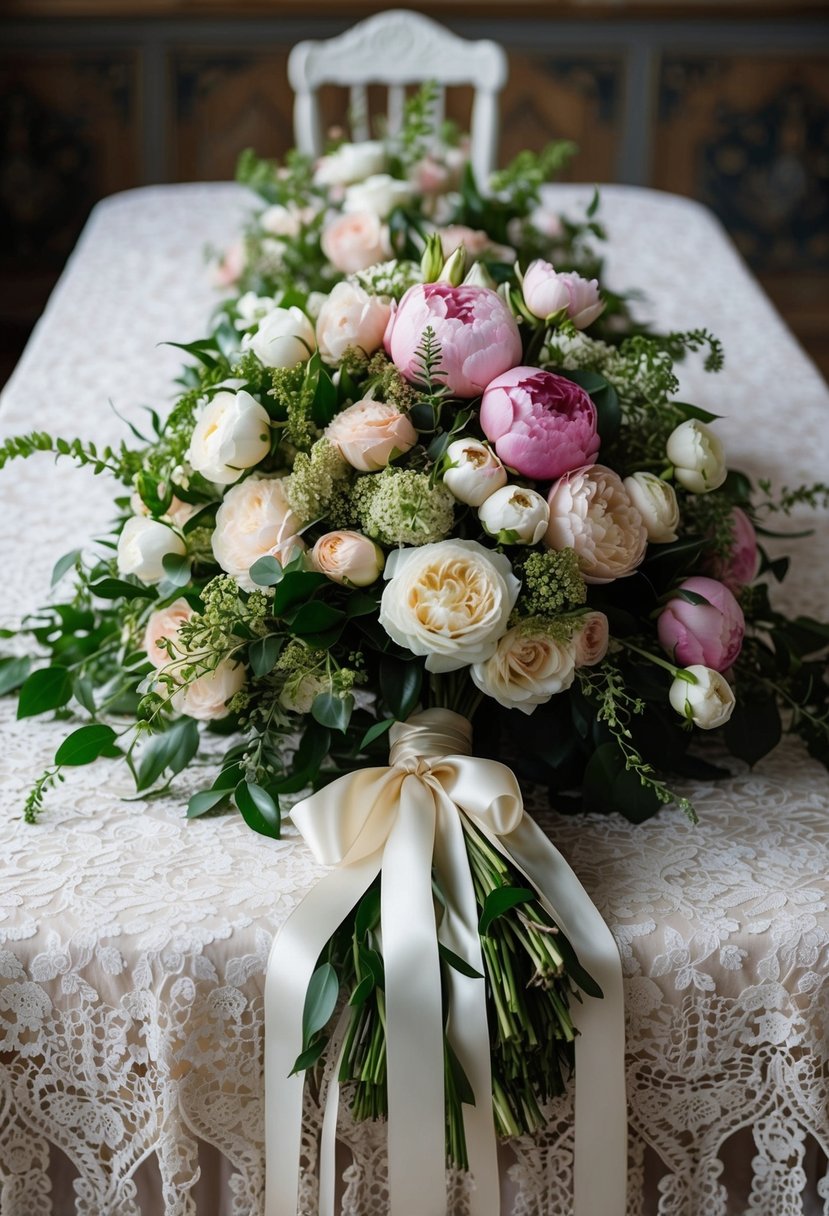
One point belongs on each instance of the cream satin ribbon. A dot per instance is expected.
(402, 819)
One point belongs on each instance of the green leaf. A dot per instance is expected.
(690, 597)
(13, 672)
(400, 684)
(46, 689)
(258, 809)
(500, 901)
(84, 693)
(374, 732)
(604, 397)
(332, 710)
(363, 990)
(263, 653)
(295, 588)
(176, 570)
(266, 572)
(694, 411)
(85, 744)
(609, 786)
(204, 801)
(308, 1058)
(173, 750)
(459, 964)
(460, 1081)
(118, 589)
(368, 912)
(63, 564)
(205, 515)
(315, 617)
(320, 1001)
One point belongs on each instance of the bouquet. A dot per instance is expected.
(425, 471)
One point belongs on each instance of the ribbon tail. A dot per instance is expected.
(291, 964)
(601, 1101)
(414, 1023)
(468, 1028)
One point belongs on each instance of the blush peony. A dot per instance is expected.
(590, 511)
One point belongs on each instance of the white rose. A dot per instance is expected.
(449, 601)
(379, 195)
(527, 669)
(207, 696)
(163, 625)
(698, 457)
(475, 473)
(300, 691)
(655, 500)
(232, 433)
(351, 163)
(281, 221)
(255, 520)
(351, 317)
(142, 546)
(285, 337)
(252, 309)
(523, 515)
(708, 703)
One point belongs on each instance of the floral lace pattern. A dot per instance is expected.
(133, 944)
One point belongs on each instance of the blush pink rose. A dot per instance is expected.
(740, 567)
(349, 316)
(355, 241)
(542, 424)
(591, 512)
(475, 241)
(232, 264)
(163, 625)
(710, 634)
(476, 332)
(368, 433)
(546, 292)
(592, 640)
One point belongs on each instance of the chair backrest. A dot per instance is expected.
(399, 48)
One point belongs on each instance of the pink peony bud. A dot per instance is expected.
(740, 567)
(710, 634)
(542, 425)
(474, 328)
(547, 292)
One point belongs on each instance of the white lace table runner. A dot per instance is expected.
(133, 943)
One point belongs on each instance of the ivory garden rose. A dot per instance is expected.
(255, 520)
(542, 424)
(515, 515)
(474, 472)
(590, 512)
(592, 639)
(206, 697)
(351, 163)
(655, 500)
(474, 328)
(449, 601)
(527, 668)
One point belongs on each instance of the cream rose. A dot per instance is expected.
(708, 702)
(349, 316)
(348, 557)
(590, 511)
(300, 691)
(698, 457)
(279, 220)
(351, 163)
(475, 471)
(142, 547)
(592, 639)
(369, 432)
(284, 338)
(355, 241)
(378, 194)
(253, 521)
(527, 669)
(449, 601)
(232, 433)
(516, 515)
(655, 500)
(162, 626)
(206, 697)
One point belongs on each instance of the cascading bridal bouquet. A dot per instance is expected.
(418, 478)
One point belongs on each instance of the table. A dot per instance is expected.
(134, 943)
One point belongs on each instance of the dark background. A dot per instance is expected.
(726, 103)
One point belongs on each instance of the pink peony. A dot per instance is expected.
(710, 634)
(740, 567)
(476, 332)
(547, 292)
(542, 425)
(591, 512)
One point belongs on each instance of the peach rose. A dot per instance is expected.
(163, 625)
(355, 241)
(592, 640)
(527, 669)
(369, 432)
(350, 316)
(348, 557)
(255, 520)
(590, 511)
(206, 697)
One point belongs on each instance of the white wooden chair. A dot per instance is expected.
(398, 48)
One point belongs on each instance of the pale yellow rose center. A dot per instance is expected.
(451, 599)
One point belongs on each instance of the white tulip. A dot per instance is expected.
(285, 337)
(142, 546)
(655, 500)
(475, 473)
(515, 515)
(232, 433)
(698, 457)
(708, 702)
(351, 163)
(378, 195)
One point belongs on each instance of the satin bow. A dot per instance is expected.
(402, 819)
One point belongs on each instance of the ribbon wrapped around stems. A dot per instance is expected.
(401, 820)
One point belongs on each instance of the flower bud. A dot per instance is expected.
(232, 433)
(432, 259)
(515, 516)
(655, 500)
(349, 558)
(285, 337)
(708, 702)
(479, 276)
(698, 457)
(454, 268)
(475, 473)
(142, 547)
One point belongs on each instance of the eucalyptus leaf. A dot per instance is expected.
(266, 572)
(332, 710)
(63, 564)
(263, 653)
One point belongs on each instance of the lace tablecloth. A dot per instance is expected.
(134, 943)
